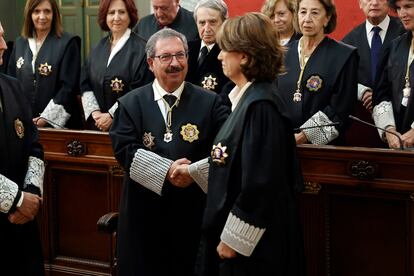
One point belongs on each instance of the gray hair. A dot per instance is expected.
(218, 5)
(163, 34)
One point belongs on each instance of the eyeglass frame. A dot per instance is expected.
(171, 56)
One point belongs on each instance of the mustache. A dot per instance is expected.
(174, 69)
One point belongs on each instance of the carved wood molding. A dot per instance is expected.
(76, 148)
(312, 188)
(116, 171)
(363, 170)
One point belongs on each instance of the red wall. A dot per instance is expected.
(349, 13)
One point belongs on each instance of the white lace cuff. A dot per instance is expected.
(35, 173)
(55, 114)
(361, 90)
(199, 173)
(383, 116)
(149, 170)
(89, 103)
(8, 192)
(320, 135)
(112, 110)
(241, 236)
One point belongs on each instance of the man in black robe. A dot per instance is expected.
(21, 181)
(205, 69)
(168, 13)
(157, 127)
(376, 13)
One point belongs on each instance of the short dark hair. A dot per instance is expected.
(254, 35)
(330, 10)
(28, 25)
(103, 11)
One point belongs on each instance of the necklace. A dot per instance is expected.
(303, 59)
(407, 88)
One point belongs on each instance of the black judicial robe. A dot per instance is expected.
(61, 84)
(209, 74)
(20, 253)
(391, 81)
(184, 23)
(335, 63)
(159, 235)
(358, 134)
(257, 183)
(128, 66)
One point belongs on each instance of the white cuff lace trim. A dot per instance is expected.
(199, 172)
(383, 116)
(241, 236)
(35, 173)
(320, 135)
(8, 192)
(112, 110)
(361, 90)
(55, 114)
(149, 170)
(89, 103)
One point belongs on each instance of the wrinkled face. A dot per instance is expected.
(231, 63)
(312, 18)
(374, 10)
(405, 10)
(3, 46)
(42, 17)
(117, 17)
(165, 11)
(169, 73)
(283, 18)
(208, 23)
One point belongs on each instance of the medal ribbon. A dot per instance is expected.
(407, 88)
(297, 96)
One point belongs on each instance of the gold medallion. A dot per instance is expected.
(314, 83)
(218, 154)
(45, 69)
(148, 140)
(209, 82)
(117, 85)
(19, 128)
(19, 62)
(189, 132)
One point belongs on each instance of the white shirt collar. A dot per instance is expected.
(209, 47)
(121, 42)
(159, 92)
(236, 94)
(383, 25)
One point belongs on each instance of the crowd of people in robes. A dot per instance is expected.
(204, 112)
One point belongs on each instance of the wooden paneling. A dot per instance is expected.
(357, 210)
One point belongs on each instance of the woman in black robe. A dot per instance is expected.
(46, 60)
(392, 98)
(320, 85)
(250, 225)
(115, 66)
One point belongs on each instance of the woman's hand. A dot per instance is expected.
(225, 252)
(301, 138)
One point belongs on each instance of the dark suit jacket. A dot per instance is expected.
(209, 74)
(361, 135)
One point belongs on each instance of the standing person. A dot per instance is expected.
(168, 13)
(393, 95)
(251, 224)
(283, 15)
(46, 60)
(155, 128)
(204, 68)
(115, 66)
(316, 94)
(21, 180)
(371, 38)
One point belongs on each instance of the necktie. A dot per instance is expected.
(170, 99)
(203, 55)
(376, 44)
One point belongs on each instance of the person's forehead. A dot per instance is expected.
(163, 2)
(165, 44)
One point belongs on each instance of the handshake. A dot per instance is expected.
(178, 173)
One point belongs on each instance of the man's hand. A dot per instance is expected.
(367, 100)
(393, 141)
(408, 138)
(225, 252)
(103, 121)
(28, 210)
(178, 173)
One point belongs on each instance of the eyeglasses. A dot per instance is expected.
(167, 58)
